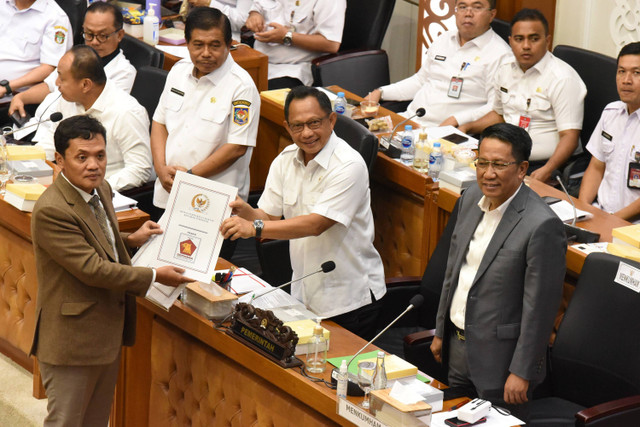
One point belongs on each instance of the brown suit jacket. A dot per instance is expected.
(85, 309)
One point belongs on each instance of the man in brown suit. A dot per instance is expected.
(86, 285)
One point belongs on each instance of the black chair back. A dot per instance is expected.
(598, 72)
(365, 23)
(502, 28)
(75, 10)
(140, 54)
(595, 353)
(147, 87)
(358, 137)
(359, 72)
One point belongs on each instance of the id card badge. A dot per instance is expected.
(633, 180)
(524, 122)
(455, 87)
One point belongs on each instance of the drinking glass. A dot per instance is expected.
(366, 371)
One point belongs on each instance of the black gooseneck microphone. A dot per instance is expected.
(574, 233)
(352, 388)
(386, 141)
(326, 267)
(54, 117)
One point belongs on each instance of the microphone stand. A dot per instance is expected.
(573, 232)
(386, 141)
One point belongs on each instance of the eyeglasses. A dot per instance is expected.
(311, 124)
(100, 37)
(498, 166)
(476, 8)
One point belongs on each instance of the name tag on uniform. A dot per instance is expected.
(524, 122)
(440, 58)
(177, 91)
(455, 87)
(633, 179)
(606, 136)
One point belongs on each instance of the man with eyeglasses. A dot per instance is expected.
(320, 185)
(454, 82)
(504, 278)
(612, 180)
(538, 92)
(102, 30)
(34, 34)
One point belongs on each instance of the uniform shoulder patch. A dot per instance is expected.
(241, 112)
(60, 36)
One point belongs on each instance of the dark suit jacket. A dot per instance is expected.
(516, 293)
(85, 309)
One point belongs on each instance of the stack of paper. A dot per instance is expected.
(37, 168)
(25, 152)
(304, 330)
(23, 196)
(565, 212)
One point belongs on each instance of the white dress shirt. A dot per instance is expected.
(335, 184)
(614, 141)
(236, 10)
(40, 34)
(129, 162)
(556, 95)
(477, 247)
(429, 87)
(119, 70)
(201, 115)
(324, 17)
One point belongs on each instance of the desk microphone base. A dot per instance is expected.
(353, 389)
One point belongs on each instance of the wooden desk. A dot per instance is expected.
(162, 376)
(400, 196)
(18, 287)
(601, 222)
(254, 62)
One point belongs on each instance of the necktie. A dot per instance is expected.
(101, 216)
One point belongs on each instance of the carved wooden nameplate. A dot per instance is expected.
(265, 333)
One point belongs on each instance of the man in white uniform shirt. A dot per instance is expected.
(206, 122)
(293, 33)
(538, 92)
(321, 187)
(85, 90)
(614, 170)
(34, 34)
(454, 83)
(102, 30)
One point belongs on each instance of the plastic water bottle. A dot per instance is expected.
(317, 356)
(380, 376)
(340, 104)
(341, 389)
(151, 28)
(435, 161)
(420, 157)
(407, 146)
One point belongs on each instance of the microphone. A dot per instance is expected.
(574, 233)
(386, 141)
(54, 117)
(326, 267)
(352, 388)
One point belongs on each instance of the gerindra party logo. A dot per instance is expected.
(200, 203)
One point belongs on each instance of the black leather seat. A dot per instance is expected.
(274, 254)
(140, 54)
(594, 356)
(365, 24)
(502, 28)
(598, 72)
(358, 71)
(75, 10)
(412, 335)
(148, 86)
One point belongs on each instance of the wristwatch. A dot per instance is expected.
(288, 38)
(258, 224)
(6, 85)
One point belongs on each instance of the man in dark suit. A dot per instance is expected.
(86, 285)
(503, 283)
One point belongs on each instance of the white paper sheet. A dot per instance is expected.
(494, 419)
